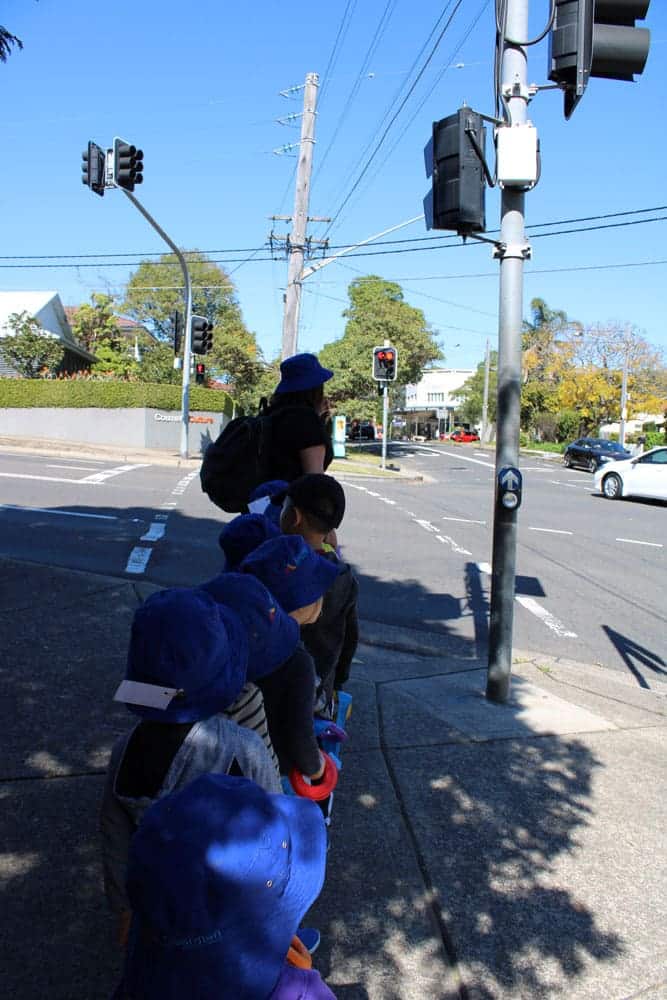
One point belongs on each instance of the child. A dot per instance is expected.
(189, 655)
(243, 534)
(219, 876)
(298, 578)
(312, 506)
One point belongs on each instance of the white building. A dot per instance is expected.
(431, 405)
(48, 310)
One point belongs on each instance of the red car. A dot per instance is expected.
(465, 437)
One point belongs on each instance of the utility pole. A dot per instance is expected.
(297, 239)
(485, 400)
(512, 251)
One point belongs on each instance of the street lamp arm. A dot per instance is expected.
(331, 260)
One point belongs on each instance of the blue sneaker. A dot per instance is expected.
(309, 937)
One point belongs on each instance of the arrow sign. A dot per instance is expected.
(510, 479)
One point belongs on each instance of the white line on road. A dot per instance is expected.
(530, 604)
(463, 520)
(65, 513)
(450, 541)
(551, 531)
(138, 559)
(636, 541)
(155, 532)
(100, 477)
(45, 479)
(426, 525)
(74, 468)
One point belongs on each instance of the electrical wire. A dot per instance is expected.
(542, 34)
(343, 28)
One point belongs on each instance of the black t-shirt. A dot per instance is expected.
(294, 428)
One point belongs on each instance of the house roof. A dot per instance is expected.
(48, 310)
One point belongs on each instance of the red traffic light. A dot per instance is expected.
(201, 369)
(381, 355)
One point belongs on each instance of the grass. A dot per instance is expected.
(363, 461)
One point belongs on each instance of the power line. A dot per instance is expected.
(337, 45)
(342, 246)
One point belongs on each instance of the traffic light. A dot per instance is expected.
(200, 373)
(202, 335)
(177, 324)
(454, 158)
(128, 164)
(596, 38)
(384, 364)
(93, 168)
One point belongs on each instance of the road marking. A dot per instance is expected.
(530, 604)
(426, 525)
(100, 477)
(463, 520)
(138, 559)
(74, 468)
(552, 531)
(44, 479)
(65, 513)
(636, 541)
(450, 541)
(484, 568)
(155, 531)
(482, 453)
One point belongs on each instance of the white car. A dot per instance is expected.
(644, 476)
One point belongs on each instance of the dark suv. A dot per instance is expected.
(591, 453)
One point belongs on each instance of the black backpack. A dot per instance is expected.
(237, 462)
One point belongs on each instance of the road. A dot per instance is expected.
(591, 572)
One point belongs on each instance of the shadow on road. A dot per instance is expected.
(633, 654)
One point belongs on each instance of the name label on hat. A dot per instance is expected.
(259, 506)
(147, 695)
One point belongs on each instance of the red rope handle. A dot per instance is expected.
(325, 785)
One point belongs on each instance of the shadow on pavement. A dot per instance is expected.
(632, 654)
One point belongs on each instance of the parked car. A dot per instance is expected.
(361, 430)
(464, 437)
(644, 476)
(591, 453)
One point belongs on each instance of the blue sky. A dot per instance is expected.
(197, 87)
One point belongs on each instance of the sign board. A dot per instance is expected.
(339, 425)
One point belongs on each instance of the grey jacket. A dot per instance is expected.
(211, 746)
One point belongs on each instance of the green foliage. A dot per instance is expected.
(568, 425)
(28, 350)
(83, 392)
(157, 364)
(550, 446)
(94, 325)
(7, 40)
(155, 293)
(471, 393)
(377, 312)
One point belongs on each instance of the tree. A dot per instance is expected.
(155, 293)
(7, 40)
(377, 312)
(96, 324)
(547, 341)
(31, 351)
(471, 393)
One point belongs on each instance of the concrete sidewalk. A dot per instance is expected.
(478, 851)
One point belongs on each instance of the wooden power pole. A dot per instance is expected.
(297, 239)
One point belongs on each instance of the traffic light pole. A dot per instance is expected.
(512, 251)
(185, 395)
(385, 418)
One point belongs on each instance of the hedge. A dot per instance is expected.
(33, 393)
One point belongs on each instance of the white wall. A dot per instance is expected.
(436, 389)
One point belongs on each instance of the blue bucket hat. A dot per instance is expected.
(182, 638)
(272, 634)
(269, 489)
(219, 876)
(242, 535)
(301, 372)
(293, 572)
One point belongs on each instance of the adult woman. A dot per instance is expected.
(300, 435)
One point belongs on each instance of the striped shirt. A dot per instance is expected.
(248, 711)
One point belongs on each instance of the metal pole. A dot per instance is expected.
(624, 400)
(299, 219)
(185, 395)
(512, 252)
(385, 417)
(485, 400)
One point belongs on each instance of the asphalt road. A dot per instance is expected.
(591, 572)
